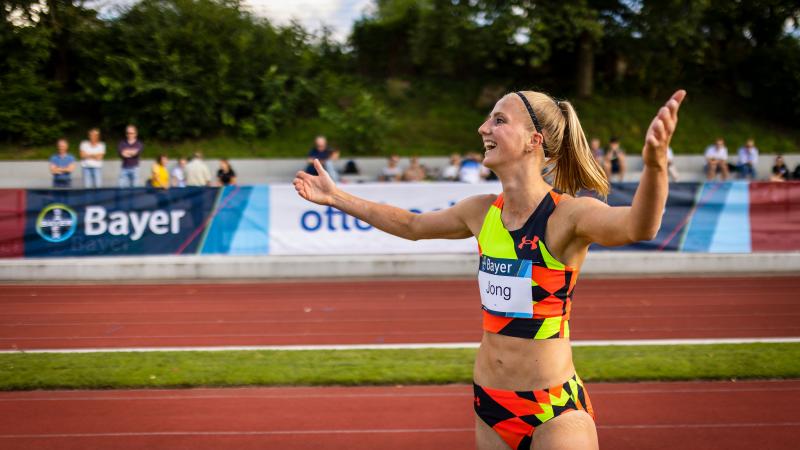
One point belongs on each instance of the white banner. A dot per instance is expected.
(298, 227)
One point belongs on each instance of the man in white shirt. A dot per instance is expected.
(92, 152)
(717, 160)
(748, 159)
(197, 173)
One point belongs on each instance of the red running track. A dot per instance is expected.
(693, 415)
(374, 312)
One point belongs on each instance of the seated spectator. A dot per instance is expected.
(615, 160)
(226, 176)
(351, 168)
(779, 171)
(392, 170)
(179, 173)
(159, 175)
(415, 171)
(717, 160)
(671, 170)
(319, 151)
(330, 165)
(748, 159)
(61, 165)
(471, 170)
(197, 173)
(796, 173)
(450, 173)
(92, 152)
(598, 152)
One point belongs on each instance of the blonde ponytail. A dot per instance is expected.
(570, 163)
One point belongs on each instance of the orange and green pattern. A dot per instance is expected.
(552, 282)
(514, 415)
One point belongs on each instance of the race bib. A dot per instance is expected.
(505, 286)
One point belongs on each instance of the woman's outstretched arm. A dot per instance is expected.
(450, 223)
(595, 221)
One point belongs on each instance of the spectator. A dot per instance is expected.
(129, 150)
(319, 151)
(450, 173)
(779, 171)
(197, 173)
(92, 152)
(796, 173)
(179, 173)
(159, 175)
(415, 171)
(351, 168)
(392, 170)
(61, 165)
(598, 152)
(226, 176)
(330, 164)
(717, 160)
(748, 159)
(615, 160)
(671, 170)
(471, 170)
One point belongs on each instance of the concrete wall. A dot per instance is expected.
(215, 267)
(34, 174)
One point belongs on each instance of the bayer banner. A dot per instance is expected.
(116, 221)
(298, 227)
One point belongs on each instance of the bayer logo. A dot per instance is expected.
(56, 223)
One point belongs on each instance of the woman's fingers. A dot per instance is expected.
(318, 166)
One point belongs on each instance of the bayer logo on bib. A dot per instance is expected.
(505, 286)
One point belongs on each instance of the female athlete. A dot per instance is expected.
(532, 240)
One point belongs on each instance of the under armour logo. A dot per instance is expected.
(525, 241)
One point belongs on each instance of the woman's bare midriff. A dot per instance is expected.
(515, 364)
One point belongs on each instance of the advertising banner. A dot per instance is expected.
(135, 221)
(298, 227)
(12, 223)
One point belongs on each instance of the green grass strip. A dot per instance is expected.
(376, 367)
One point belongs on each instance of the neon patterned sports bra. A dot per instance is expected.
(525, 291)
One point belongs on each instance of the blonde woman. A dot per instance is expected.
(532, 241)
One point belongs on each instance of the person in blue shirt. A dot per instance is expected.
(319, 151)
(62, 164)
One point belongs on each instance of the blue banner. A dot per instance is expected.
(137, 221)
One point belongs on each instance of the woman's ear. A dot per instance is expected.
(535, 141)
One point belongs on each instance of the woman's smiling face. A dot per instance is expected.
(505, 133)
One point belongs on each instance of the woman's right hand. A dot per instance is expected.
(318, 189)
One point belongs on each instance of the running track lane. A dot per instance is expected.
(691, 415)
(376, 312)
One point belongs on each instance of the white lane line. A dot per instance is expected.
(461, 393)
(236, 433)
(444, 345)
(373, 431)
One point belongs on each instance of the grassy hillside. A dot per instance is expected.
(439, 128)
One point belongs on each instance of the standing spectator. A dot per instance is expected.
(319, 151)
(471, 170)
(92, 152)
(178, 175)
(779, 171)
(598, 152)
(159, 175)
(130, 149)
(392, 170)
(226, 176)
(671, 170)
(717, 160)
(615, 160)
(330, 165)
(748, 159)
(197, 173)
(61, 165)
(415, 171)
(450, 173)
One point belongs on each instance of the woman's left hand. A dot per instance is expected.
(660, 132)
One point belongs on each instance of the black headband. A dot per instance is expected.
(534, 119)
